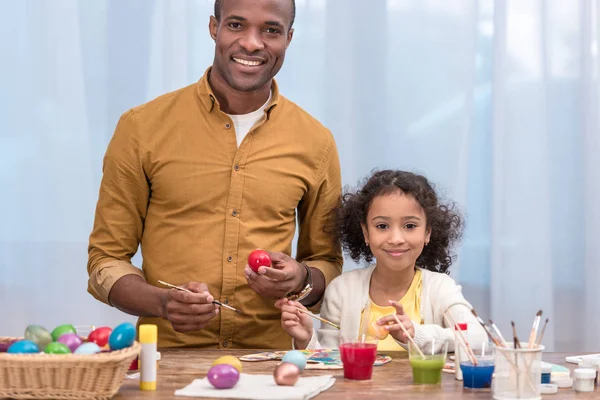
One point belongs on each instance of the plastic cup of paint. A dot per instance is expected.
(358, 357)
(427, 364)
(479, 376)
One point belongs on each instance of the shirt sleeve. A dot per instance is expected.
(120, 211)
(316, 245)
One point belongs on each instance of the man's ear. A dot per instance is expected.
(213, 26)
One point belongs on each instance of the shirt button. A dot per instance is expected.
(230, 259)
(237, 167)
(226, 301)
(225, 344)
(234, 213)
(227, 125)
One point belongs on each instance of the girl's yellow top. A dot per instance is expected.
(411, 302)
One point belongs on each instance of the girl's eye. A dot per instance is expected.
(411, 226)
(381, 226)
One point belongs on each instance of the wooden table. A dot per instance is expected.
(179, 367)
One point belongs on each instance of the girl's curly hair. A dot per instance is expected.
(445, 221)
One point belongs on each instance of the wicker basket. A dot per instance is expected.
(64, 376)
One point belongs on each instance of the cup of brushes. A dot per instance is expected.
(517, 365)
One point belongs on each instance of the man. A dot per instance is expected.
(206, 174)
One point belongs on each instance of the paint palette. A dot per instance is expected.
(316, 359)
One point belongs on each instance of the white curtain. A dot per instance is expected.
(496, 101)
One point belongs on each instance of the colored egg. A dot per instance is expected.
(5, 344)
(231, 360)
(87, 348)
(223, 376)
(71, 340)
(286, 374)
(100, 336)
(377, 331)
(295, 357)
(23, 346)
(61, 330)
(122, 336)
(57, 348)
(38, 335)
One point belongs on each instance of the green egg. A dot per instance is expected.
(38, 335)
(56, 348)
(61, 330)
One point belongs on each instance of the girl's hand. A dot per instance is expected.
(298, 325)
(390, 324)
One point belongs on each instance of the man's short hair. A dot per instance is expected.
(218, 11)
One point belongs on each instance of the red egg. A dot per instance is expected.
(259, 258)
(100, 335)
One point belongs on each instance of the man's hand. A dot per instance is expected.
(285, 276)
(189, 312)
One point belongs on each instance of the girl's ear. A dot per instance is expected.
(428, 236)
(365, 233)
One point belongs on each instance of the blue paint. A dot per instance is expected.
(546, 378)
(477, 376)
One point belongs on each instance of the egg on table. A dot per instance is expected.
(295, 357)
(231, 360)
(223, 376)
(286, 374)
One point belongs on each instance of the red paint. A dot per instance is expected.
(259, 258)
(358, 359)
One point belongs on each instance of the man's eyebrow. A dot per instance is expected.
(236, 17)
(274, 23)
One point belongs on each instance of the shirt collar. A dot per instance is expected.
(209, 100)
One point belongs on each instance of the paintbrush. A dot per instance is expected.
(534, 329)
(498, 333)
(516, 343)
(539, 341)
(463, 342)
(317, 317)
(189, 291)
(408, 335)
(497, 342)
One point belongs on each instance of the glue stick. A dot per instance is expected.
(148, 340)
(459, 354)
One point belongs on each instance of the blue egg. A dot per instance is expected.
(23, 346)
(295, 357)
(122, 336)
(88, 348)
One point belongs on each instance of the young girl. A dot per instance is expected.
(397, 219)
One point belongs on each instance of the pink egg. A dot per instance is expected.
(286, 374)
(223, 376)
(71, 340)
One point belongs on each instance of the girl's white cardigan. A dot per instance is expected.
(347, 295)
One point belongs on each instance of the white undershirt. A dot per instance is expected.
(244, 122)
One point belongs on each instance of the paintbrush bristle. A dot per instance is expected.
(516, 343)
(539, 313)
